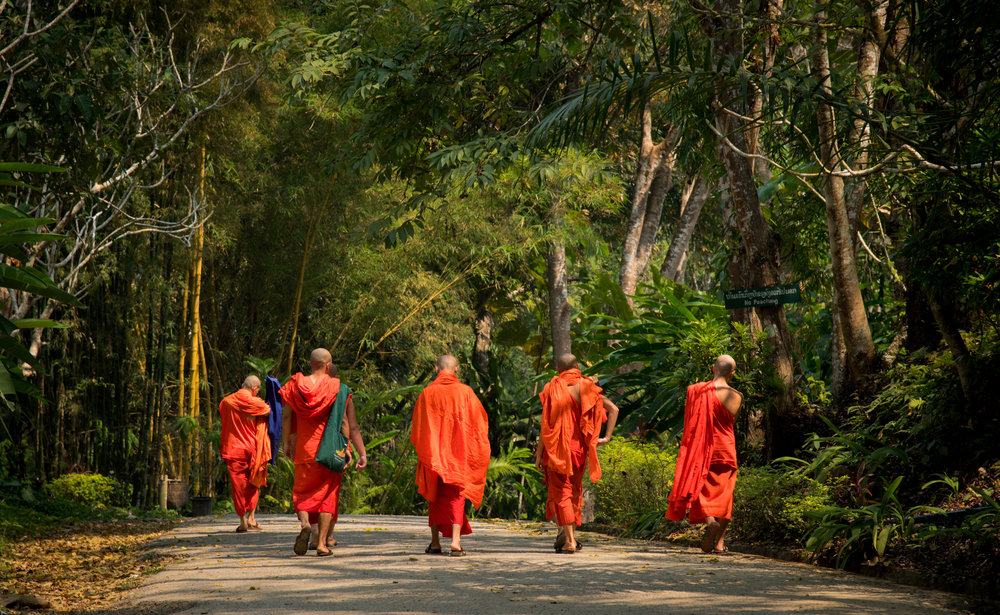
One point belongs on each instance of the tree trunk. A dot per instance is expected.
(654, 211)
(559, 309)
(482, 328)
(956, 344)
(696, 194)
(848, 302)
(739, 271)
(651, 160)
(762, 243)
(869, 54)
(841, 382)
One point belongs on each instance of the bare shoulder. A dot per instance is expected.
(729, 397)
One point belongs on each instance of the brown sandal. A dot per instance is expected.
(302, 541)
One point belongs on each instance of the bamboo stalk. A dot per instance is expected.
(182, 343)
(298, 291)
(207, 445)
(194, 396)
(313, 221)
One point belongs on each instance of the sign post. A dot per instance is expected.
(766, 295)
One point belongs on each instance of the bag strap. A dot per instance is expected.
(339, 407)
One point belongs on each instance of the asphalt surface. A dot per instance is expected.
(511, 568)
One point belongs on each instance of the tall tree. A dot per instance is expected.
(851, 318)
(761, 241)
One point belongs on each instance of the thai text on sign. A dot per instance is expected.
(766, 295)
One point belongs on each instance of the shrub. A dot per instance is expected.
(93, 490)
(636, 478)
(770, 504)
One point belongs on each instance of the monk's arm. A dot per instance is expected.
(538, 455)
(286, 430)
(612, 410)
(263, 411)
(359, 443)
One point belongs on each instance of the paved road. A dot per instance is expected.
(381, 567)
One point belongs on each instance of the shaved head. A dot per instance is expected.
(566, 361)
(724, 367)
(251, 382)
(320, 355)
(319, 359)
(334, 372)
(447, 362)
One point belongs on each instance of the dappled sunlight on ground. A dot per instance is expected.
(380, 567)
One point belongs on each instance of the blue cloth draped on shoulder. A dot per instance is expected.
(274, 419)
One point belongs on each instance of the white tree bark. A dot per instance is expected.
(653, 176)
(695, 195)
(848, 301)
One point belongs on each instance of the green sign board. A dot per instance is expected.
(768, 295)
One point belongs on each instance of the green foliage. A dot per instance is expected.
(848, 461)
(866, 530)
(512, 484)
(918, 409)
(674, 335)
(771, 504)
(276, 497)
(16, 230)
(261, 367)
(983, 527)
(387, 486)
(90, 489)
(224, 506)
(635, 478)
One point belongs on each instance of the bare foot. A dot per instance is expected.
(711, 535)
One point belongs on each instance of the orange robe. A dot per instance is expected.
(570, 431)
(705, 475)
(316, 488)
(450, 433)
(245, 446)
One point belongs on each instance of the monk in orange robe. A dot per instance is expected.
(706, 463)
(246, 448)
(573, 410)
(316, 488)
(450, 433)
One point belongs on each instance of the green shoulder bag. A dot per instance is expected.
(333, 448)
